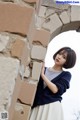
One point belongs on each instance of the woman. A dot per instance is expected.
(54, 81)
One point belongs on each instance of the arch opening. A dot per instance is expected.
(71, 99)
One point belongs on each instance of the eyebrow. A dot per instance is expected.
(64, 52)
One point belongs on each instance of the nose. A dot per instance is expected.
(59, 56)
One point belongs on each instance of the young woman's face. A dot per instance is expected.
(60, 58)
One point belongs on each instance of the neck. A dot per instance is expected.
(55, 67)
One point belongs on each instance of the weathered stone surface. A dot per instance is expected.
(36, 70)
(42, 36)
(64, 17)
(27, 97)
(17, 52)
(42, 11)
(15, 18)
(27, 72)
(75, 13)
(3, 41)
(22, 112)
(20, 50)
(14, 96)
(52, 23)
(39, 22)
(31, 31)
(50, 11)
(8, 72)
(38, 52)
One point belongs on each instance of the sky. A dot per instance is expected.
(71, 99)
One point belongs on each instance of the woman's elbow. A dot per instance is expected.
(55, 91)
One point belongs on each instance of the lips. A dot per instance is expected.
(57, 60)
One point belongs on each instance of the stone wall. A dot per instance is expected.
(26, 28)
(16, 17)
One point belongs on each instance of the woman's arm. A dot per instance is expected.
(50, 85)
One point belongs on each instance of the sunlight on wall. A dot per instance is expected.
(71, 99)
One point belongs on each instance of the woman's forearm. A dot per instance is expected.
(50, 85)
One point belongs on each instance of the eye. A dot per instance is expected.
(64, 56)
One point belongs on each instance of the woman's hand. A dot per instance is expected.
(42, 69)
(50, 85)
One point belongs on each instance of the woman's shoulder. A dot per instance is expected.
(67, 72)
(67, 75)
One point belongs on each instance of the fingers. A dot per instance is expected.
(43, 64)
(43, 68)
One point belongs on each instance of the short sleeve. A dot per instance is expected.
(64, 83)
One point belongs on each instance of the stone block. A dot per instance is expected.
(49, 12)
(39, 22)
(22, 112)
(75, 13)
(27, 72)
(38, 52)
(36, 70)
(42, 36)
(64, 17)
(8, 74)
(52, 23)
(3, 42)
(38, 5)
(20, 50)
(31, 31)
(14, 97)
(27, 93)
(42, 11)
(15, 18)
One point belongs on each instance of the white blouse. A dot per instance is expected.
(51, 74)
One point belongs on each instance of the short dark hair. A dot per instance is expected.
(71, 57)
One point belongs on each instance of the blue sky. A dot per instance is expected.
(71, 99)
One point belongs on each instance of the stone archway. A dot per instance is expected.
(58, 18)
(25, 31)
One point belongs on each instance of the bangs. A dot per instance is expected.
(64, 53)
